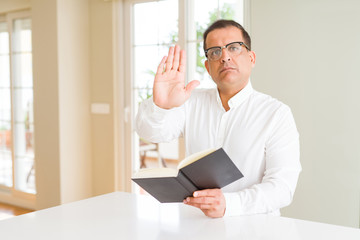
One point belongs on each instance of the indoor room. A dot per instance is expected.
(74, 75)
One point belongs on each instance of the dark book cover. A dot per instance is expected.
(215, 170)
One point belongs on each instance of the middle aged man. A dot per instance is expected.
(257, 131)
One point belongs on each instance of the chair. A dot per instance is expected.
(145, 147)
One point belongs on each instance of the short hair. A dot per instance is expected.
(222, 23)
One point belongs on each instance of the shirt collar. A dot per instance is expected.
(238, 98)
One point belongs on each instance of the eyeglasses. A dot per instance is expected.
(234, 49)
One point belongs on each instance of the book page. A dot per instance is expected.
(155, 173)
(194, 157)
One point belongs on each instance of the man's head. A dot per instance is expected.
(231, 60)
(222, 23)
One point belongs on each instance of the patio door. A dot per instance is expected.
(151, 27)
(17, 172)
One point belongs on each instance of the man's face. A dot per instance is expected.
(230, 73)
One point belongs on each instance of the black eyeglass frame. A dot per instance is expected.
(221, 48)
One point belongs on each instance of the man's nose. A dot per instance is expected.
(225, 56)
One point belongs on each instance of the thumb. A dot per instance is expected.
(192, 85)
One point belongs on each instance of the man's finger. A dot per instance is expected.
(160, 68)
(202, 206)
(169, 61)
(192, 85)
(182, 66)
(207, 192)
(201, 200)
(176, 58)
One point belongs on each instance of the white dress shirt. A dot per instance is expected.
(258, 133)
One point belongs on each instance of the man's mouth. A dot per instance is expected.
(226, 69)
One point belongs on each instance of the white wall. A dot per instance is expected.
(308, 56)
(61, 49)
(73, 22)
(102, 89)
(46, 106)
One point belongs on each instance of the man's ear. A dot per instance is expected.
(207, 66)
(252, 58)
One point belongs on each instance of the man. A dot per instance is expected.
(257, 131)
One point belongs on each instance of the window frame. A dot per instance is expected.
(12, 195)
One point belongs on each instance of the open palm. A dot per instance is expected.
(169, 89)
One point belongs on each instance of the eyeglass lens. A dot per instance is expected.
(216, 52)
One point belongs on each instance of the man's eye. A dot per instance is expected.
(233, 48)
(216, 52)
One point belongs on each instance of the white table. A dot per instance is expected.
(127, 216)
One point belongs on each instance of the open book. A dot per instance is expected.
(203, 170)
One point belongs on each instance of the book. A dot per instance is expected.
(208, 169)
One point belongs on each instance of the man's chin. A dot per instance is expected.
(229, 79)
(231, 82)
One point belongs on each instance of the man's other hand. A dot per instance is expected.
(210, 201)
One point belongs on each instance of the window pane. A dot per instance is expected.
(4, 71)
(205, 11)
(145, 32)
(5, 112)
(5, 154)
(23, 106)
(22, 36)
(5, 136)
(5, 165)
(155, 29)
(142, 94)
(168, 21)
(233, 9)
(197, 68)
(23, 109)
(147, 60)
(24, 157)
(5, 106)
(24, 139)
(208, 11)
(156, 22)
(4, 39)
(4, 56)
(23, 174)
(22, 69)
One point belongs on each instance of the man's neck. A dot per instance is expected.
(227, 94)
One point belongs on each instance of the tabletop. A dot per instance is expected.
(122, 215)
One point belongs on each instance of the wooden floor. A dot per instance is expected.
(8, 211)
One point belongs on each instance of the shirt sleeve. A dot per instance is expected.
(276, 190)
(155, 124)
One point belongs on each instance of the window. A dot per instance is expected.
(201, 14)
(16, 105)
(154, 26)
(152, 39)
(5, 108)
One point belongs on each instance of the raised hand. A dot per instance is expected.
(169, 89)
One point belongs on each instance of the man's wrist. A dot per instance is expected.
(233, 204)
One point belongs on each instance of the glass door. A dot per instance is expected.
(151, 28)
(17, 170)
(23, 117)
(6, 164)
(155, 29)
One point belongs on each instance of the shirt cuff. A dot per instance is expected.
(159, 112)
(233, 204)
